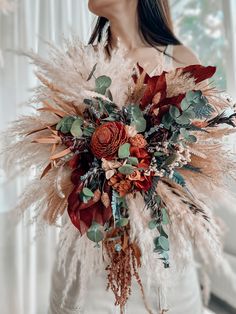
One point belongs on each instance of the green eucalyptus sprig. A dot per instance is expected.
(159, 221)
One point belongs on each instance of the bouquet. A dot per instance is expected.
(133, 159)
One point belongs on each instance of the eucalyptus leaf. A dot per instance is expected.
(140, 124)
(66, 124)
(124, 151)
(189, 114)
(122, 222)
(59, 124)
(183, 120)
(84, 198)
(175, 137)
(158, 249)
(185, 133)
(162, 231)
(191, 139)
(133, 161)
(174, 112)
(164, 243)
(157, 245)
(165, 219)
(184, 104)
(76, 130)
(126, 169)
(167, 121)
(203, 110)
(102, 84)
(159, 154)
(157, 199)
(193, 96)
(137, 118)
(165, 255)
(87, 192)
(136, 112)
(152, 224)
(94, 233)
(88, 131)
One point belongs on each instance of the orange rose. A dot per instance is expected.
(138, 141)
(107, 139)
(135, 176)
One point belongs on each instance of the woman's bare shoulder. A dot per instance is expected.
(184, 56)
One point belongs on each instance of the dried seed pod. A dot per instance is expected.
(105, 199)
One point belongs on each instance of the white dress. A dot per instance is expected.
(183, 298)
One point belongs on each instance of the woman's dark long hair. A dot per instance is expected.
(155, 24)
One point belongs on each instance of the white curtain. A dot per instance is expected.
(230, 27)
(25, 265)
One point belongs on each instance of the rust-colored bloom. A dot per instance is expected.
(121, 184)
(140, 153)
(135, 176)
(123, 187)
(144, 184)
(138, 141)
(107, 139)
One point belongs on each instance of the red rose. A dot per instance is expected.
(107, 139)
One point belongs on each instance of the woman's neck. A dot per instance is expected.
(125, 29)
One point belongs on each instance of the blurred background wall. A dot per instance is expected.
(207, 26)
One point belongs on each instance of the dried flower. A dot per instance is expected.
(107, 139)
(110, 174)
(121, 184)
(110, 164)
(144, 184)
(199, 123)
(135, 176)
(105, 199)
(138, 141)
(131, 131)
(156, 98)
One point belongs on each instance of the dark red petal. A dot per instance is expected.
(200, 72)
(156, 84)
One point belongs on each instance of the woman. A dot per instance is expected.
(144, 28)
